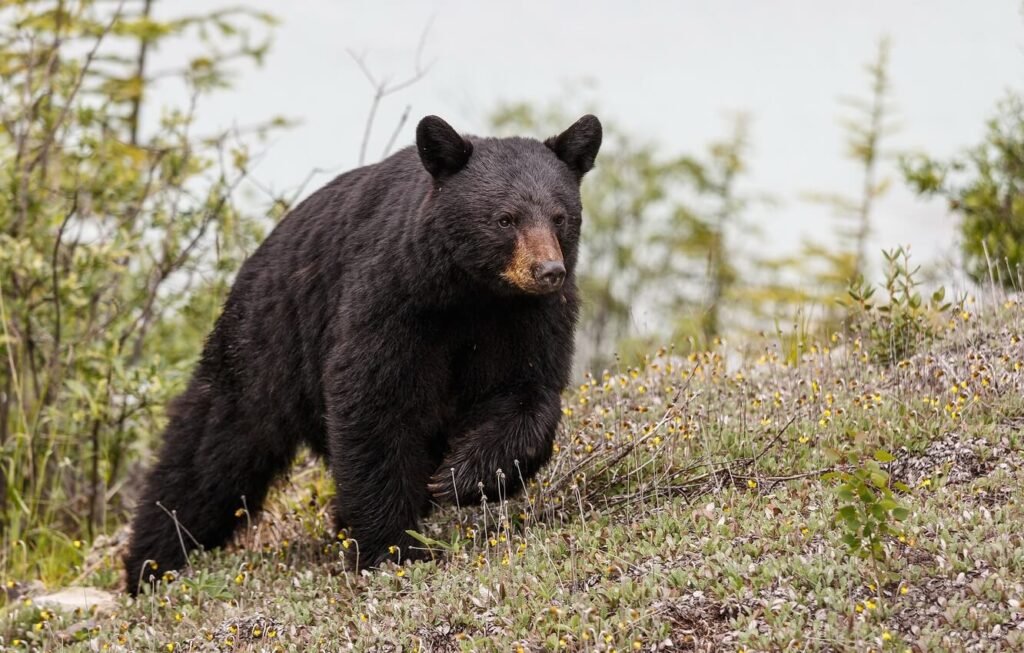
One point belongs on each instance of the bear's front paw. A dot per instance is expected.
(408, 549)
(465, 483)
(450, 484)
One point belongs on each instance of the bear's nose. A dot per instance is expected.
(549, 275)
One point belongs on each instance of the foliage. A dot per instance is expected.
(904, 321)
(869, 511)
(985, 187)
(116, 245)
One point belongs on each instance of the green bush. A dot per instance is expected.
(115, 250)
(895, 328)
(869, 511)
(985, 187)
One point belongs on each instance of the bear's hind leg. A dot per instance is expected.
(213, 455)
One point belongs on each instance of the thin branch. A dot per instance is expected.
(55, 286)
(382, 88)
(398, 128)
(140, 74)
(616, 456)
(66, 109)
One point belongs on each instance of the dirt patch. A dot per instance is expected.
(957, 613)
(257, 630)
(442, 638)
(698, 623)
(955, 459)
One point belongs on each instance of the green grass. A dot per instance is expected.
(683, 510)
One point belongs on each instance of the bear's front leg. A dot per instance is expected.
(381, 494)
(511, 433)
(383, 419)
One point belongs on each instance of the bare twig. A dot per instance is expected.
(697, 484)
(617, 456)
(94, 439)
(774, 440)
(55, 283)
(383, 88)
(69, 101)
(140, 73)
(168, 266)
(398, 128)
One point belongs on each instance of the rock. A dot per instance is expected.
(72, 598)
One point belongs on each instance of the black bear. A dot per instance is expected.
(412, 322)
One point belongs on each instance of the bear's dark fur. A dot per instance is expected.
(412, 321)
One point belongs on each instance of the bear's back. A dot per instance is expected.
(278, 312)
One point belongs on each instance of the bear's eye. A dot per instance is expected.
(559, 220)
(505, 221)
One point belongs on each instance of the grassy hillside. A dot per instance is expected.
(685, 509)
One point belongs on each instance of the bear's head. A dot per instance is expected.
(508, 210)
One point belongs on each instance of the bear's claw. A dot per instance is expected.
(442, 488)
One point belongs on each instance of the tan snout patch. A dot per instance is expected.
(533, 246)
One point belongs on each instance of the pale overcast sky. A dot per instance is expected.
(667, 71)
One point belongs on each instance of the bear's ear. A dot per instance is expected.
(442, 151)
(578, 145)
